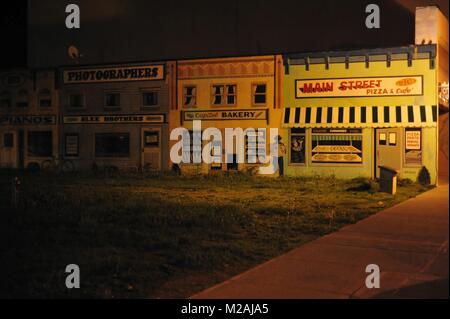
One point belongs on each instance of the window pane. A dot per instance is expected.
(260, 99)
(150, 98)
(217, 99)
(40, 144)
(297, 149)
(45, 102)
(151, 139)
(336, 148)
(8, 140)
(112, 145)
(231, 89)
(260, 88)
(76, 100)
(113, 99)
(230, 99)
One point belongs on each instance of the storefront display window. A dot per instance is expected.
(413, 146)
(40, 144)
(112, 145)
(297, 146)
(336, 146)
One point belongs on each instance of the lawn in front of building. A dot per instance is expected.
(135, 236)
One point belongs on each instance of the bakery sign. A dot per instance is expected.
(113, 119)
(215, 115)
(360, 87)
(114, 74)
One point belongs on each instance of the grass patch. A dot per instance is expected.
(164, 236)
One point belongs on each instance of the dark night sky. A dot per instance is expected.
(134, 30)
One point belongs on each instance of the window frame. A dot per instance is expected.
(6, 95)
(70, 107)
(41, 96)
(189, 106)
(254, 94)
(154, 91)
(404, 150)
(305, 147)
(29, 155)
(224, 95)
(22, 97)
(128, 156)
(112, 107)
(331, 163)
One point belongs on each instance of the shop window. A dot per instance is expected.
(5, 99)
(216, 159)
(72, 144)
(8, 140)
(112, 145)
(224, 94)
(413, 146)
(255, 147)
(76, 101)
(189, 96)
(150, 98)
(22, 99)
(336, 146)
(151, 139)
(297, 146)
(45, 98)
(40, 144)
(112, 100)
(259, 92)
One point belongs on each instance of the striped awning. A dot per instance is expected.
(361, 116)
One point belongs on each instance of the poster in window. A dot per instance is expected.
(297, 149)
(72, 141)
(392, 138)
(412, 138)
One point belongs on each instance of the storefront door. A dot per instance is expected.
(8, 150)
(388, 149)
(151, 148)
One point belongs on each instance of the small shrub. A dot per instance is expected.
(404, 182)
(424, 178)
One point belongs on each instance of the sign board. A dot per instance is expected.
(360, 87)
(215, 115)
(72, 142)
(27, 119)
(114, 74)
(114, 119)
(413, 139)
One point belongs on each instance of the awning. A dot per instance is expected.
(361, 116)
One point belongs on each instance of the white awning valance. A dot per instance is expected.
(361, 116)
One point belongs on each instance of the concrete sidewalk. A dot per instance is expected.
(409, 242)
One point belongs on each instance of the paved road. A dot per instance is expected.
(409, 242)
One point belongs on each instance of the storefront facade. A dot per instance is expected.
(28, 118)
(347, 113)
(233, 93)
(116, 115)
